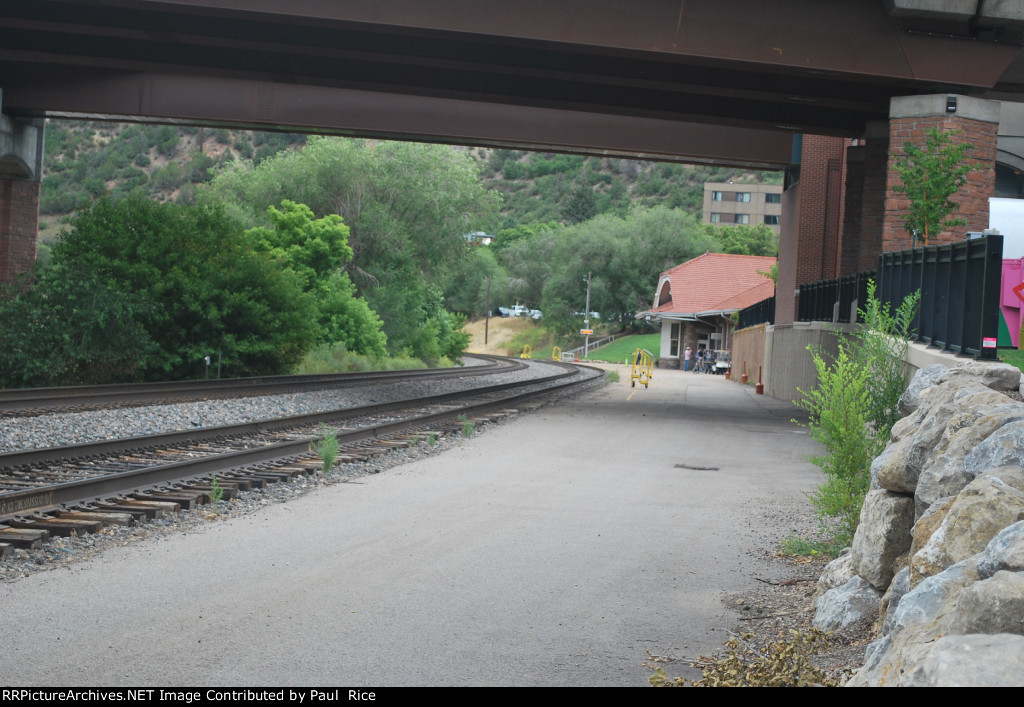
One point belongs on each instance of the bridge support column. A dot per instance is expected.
(812, 217)
(21, 168)
(971, 120)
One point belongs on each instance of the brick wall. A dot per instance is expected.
(19, 226)
(972, 198)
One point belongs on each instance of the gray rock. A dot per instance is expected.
(920, 618)
(1004, 447)
(882, 536)
(842, 606)
(898, 588)
(924, 378)
(994, 605)
(972, 661)
(979, 513)
(998, 376)
(836, 573)
(1004, 552)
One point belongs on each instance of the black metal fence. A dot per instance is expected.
(762, 312)
(819, 300)
(959, 285)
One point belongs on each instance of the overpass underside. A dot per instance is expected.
(703, 81)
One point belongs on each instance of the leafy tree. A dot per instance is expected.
(931, 176)
(407, 207)
(582, 204)
(316, 250)
(71, 327)
(198, 285)
(624, 257)
(745, 240)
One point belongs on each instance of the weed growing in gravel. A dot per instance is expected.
(216, 494)
(432, 439)
(753, 662)
(468, 427)
(326, 448)
(613, 376)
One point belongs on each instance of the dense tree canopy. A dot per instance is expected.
(407, 207)
(181, 283)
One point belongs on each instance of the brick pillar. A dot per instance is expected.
(975, 121)
(852, 214)
(812, 208)
(872, 218)
(19, 225)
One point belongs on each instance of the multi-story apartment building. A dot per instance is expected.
(742, 204)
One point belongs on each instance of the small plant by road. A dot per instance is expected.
(216, 494)
(468, 426)
(853, 408)
(327, 448)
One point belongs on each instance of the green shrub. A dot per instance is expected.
(327, 448)
(853, 408)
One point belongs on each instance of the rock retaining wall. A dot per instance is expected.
(939, 552)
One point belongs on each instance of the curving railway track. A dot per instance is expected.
(81, 488)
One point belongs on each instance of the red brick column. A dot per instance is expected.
(975, 121)
(19, 225)
(812, 217)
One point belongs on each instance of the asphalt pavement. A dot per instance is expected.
(554, 549)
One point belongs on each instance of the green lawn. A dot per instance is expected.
(622, 348)
(1012, 357)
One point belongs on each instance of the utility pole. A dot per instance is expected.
(586, 321)
(487, 315)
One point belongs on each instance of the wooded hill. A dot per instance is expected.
(85, 159)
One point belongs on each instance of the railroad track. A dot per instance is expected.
(78, 489)
(26, 402)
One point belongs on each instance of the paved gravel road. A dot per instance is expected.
(555, 549)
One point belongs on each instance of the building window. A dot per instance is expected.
(743, 196)
(716, 196)
(743, 218)
(773, 198)
(674, 340)
(771, 220)
(716, 218)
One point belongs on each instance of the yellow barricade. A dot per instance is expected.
(643, 367)
(527, 352)
(556, 353)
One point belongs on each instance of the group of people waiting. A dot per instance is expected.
(701, 362)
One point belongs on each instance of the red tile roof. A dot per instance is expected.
(715, 282)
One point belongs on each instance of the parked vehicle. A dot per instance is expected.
(520, 311)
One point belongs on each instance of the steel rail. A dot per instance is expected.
(16, 399)
(57, 496)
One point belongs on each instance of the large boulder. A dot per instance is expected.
(971, 661)
(918, 620)
(924, 378)
(836, 573)
(986, 506)
(883, 534)
(899, 586)
(843, 606)
(994, 605)
(995, 375)
(1004, 552)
